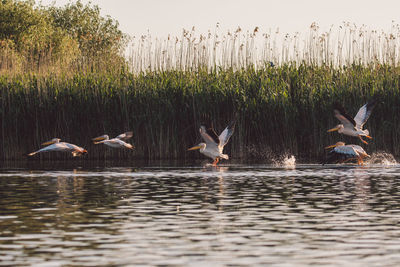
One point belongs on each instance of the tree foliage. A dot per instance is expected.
(85, 24)
(76, 34)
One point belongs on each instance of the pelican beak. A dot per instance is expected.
(194, 148)
(331, 146)
(100, 138)
(48, 143)
(333, 129)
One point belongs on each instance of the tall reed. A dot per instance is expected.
(339, 46)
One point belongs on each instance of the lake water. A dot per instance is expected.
(76, 213)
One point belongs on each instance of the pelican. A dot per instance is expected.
(342, 153)
(55, 145)
(213, 147)
(353, 127)
(117, 142)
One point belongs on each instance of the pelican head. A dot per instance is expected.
(52, 141)
(200, 146)
(338, 128)
(335, 145)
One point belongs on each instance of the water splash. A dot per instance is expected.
(288, 162)
(382, 158)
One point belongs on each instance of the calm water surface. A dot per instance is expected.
(73, 214)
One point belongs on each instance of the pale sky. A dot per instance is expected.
(163, 17)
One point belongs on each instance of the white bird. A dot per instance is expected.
(214, 146)
(57, 146)
(342, 153)
(117, 142)
(353, 127)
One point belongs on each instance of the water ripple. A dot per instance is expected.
(231, 215)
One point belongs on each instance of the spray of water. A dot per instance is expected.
(382, 158)
(287, 161)
(284, 160)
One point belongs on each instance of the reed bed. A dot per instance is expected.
(279, 110)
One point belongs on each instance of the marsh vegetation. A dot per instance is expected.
(61, 78)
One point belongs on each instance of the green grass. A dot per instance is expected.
(284, 109)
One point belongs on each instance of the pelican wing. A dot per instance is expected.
(359, 150)
(364, 112)
(347, 150)
(340, 153)
(345, 119)
(53, 147)
(226, 134)
(207, 138)
(61, 147)
(125, 136)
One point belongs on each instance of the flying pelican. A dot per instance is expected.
(342, 153)
(117, 142)
(350, 126)
(214, 146)
(55, 145)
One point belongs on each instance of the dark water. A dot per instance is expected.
(189, 215)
